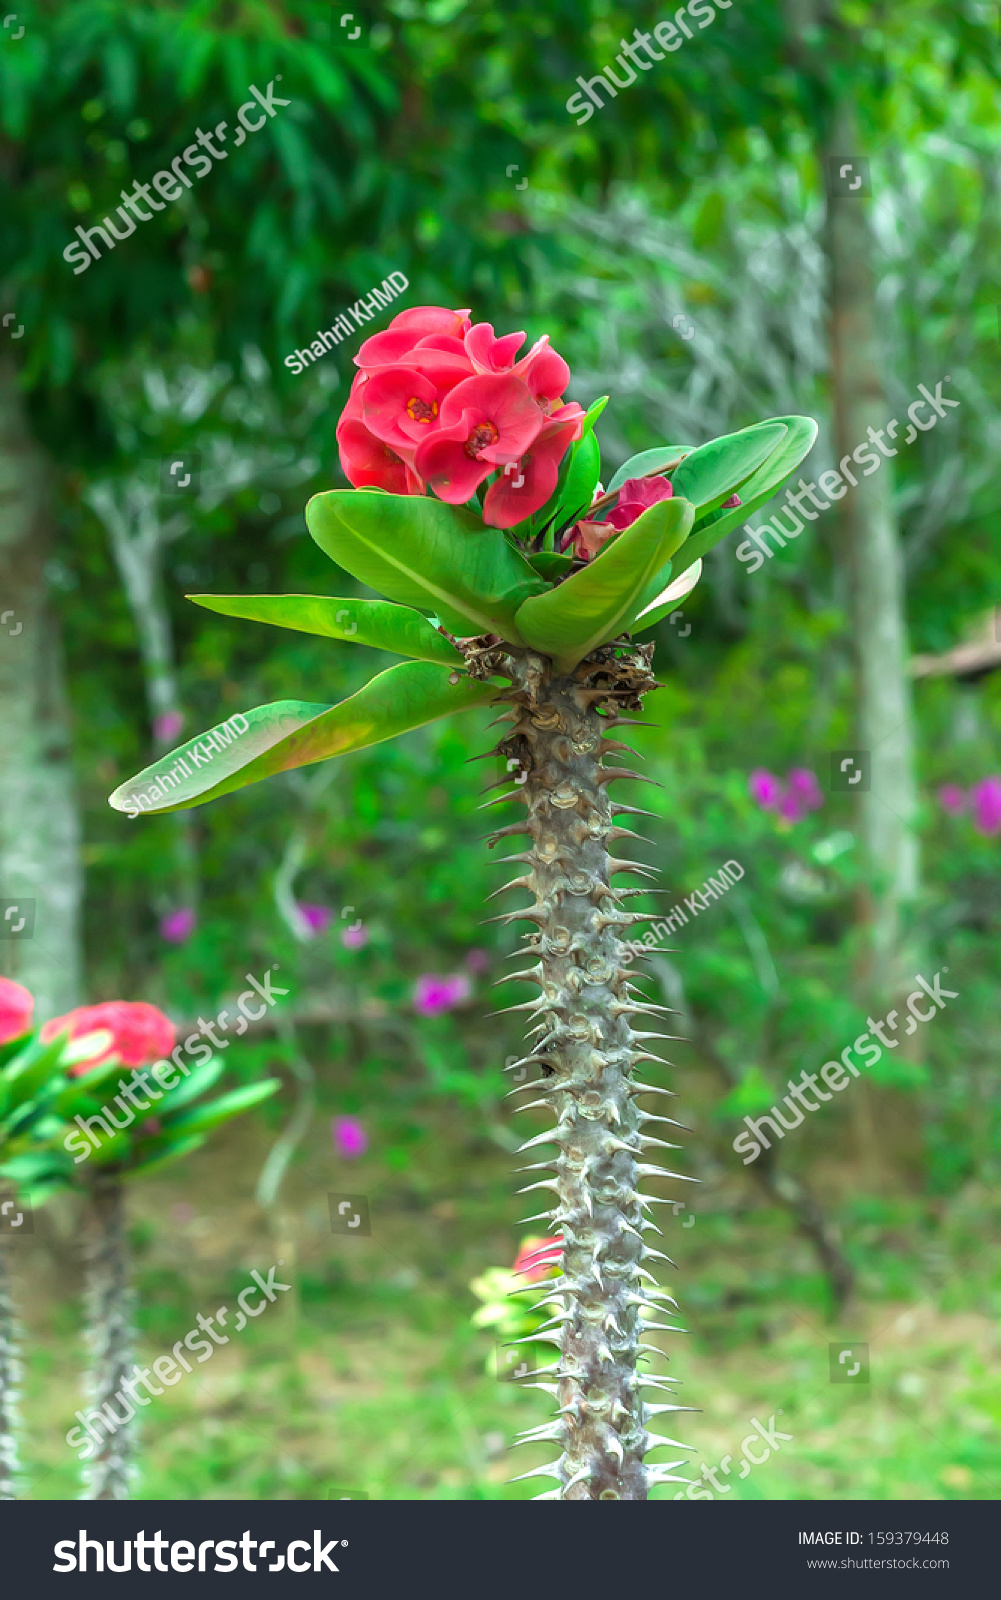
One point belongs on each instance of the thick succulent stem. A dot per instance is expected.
(9, 1377)
(586, 1052)
(109, 1311)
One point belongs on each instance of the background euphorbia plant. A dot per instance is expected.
(519, 582)
(16, 1006)
(79, 1065)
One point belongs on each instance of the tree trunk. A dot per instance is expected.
(108, 1474)
(586, 1052)
(138, 537)
(9, 1377)
(872, 557)
(39, 830)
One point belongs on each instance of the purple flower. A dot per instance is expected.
(803, 783)
(733, 501)
(177, 926)
(355, 937)
(952, 799)
(792, 807)
(316, 918)
(433, 995)
(167, 726)
(986, 797)
(477, 960)
(350, 1138)
(765, 789)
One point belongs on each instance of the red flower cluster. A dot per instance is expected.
(16, 1006)
(440, 403)
(139, 1032)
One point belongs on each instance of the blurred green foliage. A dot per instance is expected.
(697, 194)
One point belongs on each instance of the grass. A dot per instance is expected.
(367, 1376)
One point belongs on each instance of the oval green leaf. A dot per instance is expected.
(665, 600)
(294, 733)
(424, 553)
(715, 471)
(594, 605)
(377, 623)
(760, 486)
(649, 461)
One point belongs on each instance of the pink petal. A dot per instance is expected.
(16, 1006)
(443, 463)
(488, 353)
(385, 403)
(369, 463)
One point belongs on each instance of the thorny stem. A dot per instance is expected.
(9, 1377)
(109, 1306)
(586, 1051)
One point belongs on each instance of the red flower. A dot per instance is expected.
(635, 496)
(487, 353)
(140, 1033)
(486, 422)
(16, 1006)
(406, 330)
(526, 486)
(537, 1257)
(439, 403)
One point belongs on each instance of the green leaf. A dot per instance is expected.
(652, 589)
(592, 414)
(550, 565)
(202, 1118)
(24, 1076)
(199, 1081)
(160, 1153)
(421, 552)
(293, 733)
(377, 623)
(760, 486)
(594, 604)
(649, 461)
(34, 1167)
(12, 1048)
(579, 474)
(582, 479)
(78, 1094)
(667, 594)
(715, 471)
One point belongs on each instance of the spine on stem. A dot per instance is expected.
(586, 1049)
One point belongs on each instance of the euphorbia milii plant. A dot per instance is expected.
(63, 1126)
(512, 579)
